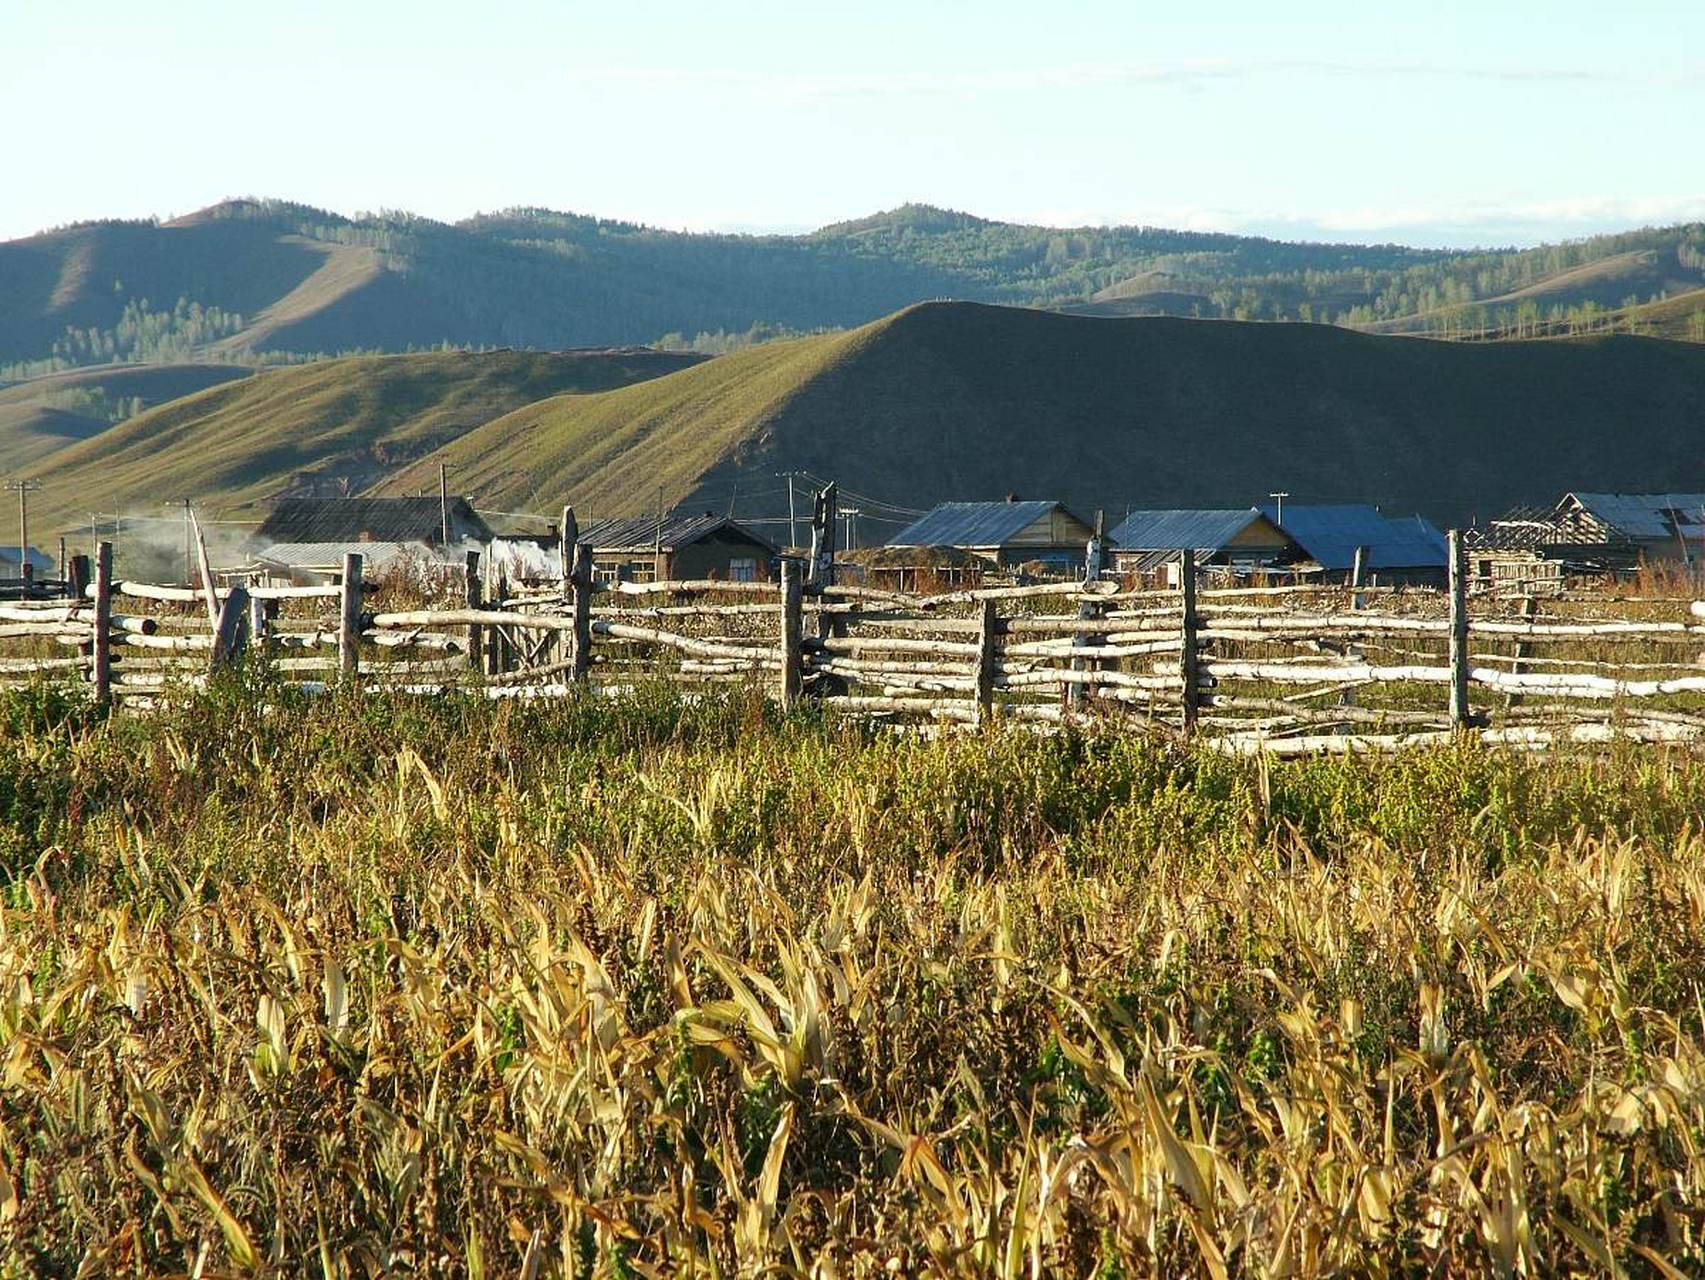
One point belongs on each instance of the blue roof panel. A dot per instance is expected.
(1198, 530)
(1331, 534)
(972, 524)
(1644, 515)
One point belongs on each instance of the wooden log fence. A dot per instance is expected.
(1233, 663)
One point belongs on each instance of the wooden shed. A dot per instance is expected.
(1234, 540)
(1006, 534)
(646, 549)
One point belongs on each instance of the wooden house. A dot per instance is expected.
(1039, 535)
(1662, 526)
(679, 547)
(1235, 541)
(354, 520)
(1399, 550)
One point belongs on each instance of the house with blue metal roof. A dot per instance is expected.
(1006, 534)
(1245, 539)
(1663, 526)
(1401, 550)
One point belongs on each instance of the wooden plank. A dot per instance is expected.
(580, 638)
(230, 631)
(100, 649)
(1460, 714)
(1188, 663)
(988, 658)
(792, 635)
(349, 617)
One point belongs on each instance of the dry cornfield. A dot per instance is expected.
(633, 987)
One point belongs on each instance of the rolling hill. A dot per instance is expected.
(247, 278)
(42, 415)
(326, 427)
(957, 400)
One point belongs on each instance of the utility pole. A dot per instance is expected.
(23, 488)
(792, 526)
(1279, 514)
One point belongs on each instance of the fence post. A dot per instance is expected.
(77, 578)
(230, 631)
(472, 599)
(258, 623)
(581, 573)
(496, 642)
(568, 537)
(100, 651)
(988, 660)
(1187, 660)
(349, 617)
(792, 630)
(1459, 713)
(1529, 606)
(1359, 578)
(1094, 561)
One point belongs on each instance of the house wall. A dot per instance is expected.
(715, 556)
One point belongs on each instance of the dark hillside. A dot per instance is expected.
(966, 401)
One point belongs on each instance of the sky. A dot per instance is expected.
(1439, 124)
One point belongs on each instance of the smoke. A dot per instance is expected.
(161, 550)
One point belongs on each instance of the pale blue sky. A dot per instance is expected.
(1428, 123)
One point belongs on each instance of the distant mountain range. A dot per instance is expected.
(939, 400)
(260, 280)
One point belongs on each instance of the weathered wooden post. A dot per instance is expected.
(1188, 666)
(568, 537)
(497, 646)
(474, 599)
(792, 632)
(100, 651)
(1094, 556)
(349, 617)
(77, 578)
(1460, 716)
(988, 660)
(820, 573)
(581, 574)
(230, 629)
(258, 623)
(1358, 578)
(1529, 606)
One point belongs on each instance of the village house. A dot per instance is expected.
(678, 548)
(1399, 550)
(1235, 542)
(1038, 536)
(304, 539)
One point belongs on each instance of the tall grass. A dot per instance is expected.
(641, 987)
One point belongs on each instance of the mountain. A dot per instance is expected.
(43, 415)
(323, 428)
(958, 400)
(247, 279)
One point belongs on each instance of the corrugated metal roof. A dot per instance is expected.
(39, 560)
(975, 524)
(307, 520)
(1648, 515)
(1199, 530)
(374, 555)
(640, 533)
(1330, 535)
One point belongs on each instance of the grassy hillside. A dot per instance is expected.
(43, 415)
(252, 279)
(315, 428)
(956, 400)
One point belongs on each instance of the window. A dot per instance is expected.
(743, 569)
